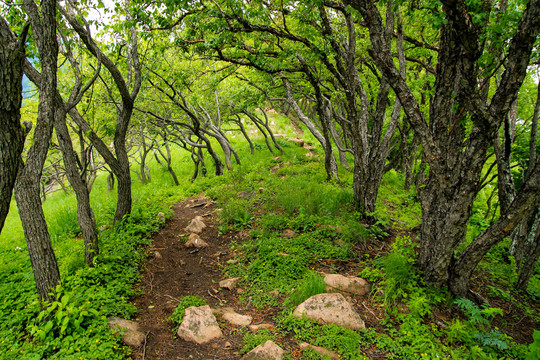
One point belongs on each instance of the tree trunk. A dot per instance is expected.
(267, 127)
(12, 133)
(527, 269)
(124, 202)
(526, 201)
(522, 243)
(38, 241)
(330, 161)
(246, 136)
(27, 186)
(85, 215)
(169, 166)
(339, 144)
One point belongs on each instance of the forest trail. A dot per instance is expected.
(172, 272)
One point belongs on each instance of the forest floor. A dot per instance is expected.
(173, 272)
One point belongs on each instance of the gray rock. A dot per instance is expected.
(229, 284)
(196, 241)
(322, 351)
(196, 225)
(288, 233)
(236, 319)
(350, 284)
(131, 335)
(330, 309)
(199, 325)
(297, 141)
(268, 351)
(255, 328)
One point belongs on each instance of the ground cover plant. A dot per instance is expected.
(407, 312)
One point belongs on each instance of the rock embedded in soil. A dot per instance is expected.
(196, 242)
(132, 336)
(196, 225)
(229, 284)
(199, 325)
(350, 284)
(330, 309)
(288, 233)
(236, 319)
(255, 328)
(322, 351)
(297, 141)
(268, 351)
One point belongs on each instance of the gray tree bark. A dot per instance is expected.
(456, 158)
(12, 134)
(27, 186)
(128, 90)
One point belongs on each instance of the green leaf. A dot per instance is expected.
(65, 324)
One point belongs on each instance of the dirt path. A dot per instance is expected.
(174, 271)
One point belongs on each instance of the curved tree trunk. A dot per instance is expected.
(270, 132)
(526, 201)
(27, 186)
(12, 133)
(243, 130)
(85, 215)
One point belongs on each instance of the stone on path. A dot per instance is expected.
(132, 336)
(236, 319)
(322, 351)
(199, 325)
(288, 233)
(350, 284)
(196, 241)
(330, 309)
(268, 351)
(297, 141)
(196, 225)
(229, 284)
(255, 328)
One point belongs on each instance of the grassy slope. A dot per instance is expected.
(293, 196)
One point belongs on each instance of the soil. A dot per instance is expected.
(173, 272)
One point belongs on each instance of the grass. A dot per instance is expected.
(263, 199)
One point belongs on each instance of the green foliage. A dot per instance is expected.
(187, 301)
(62, 317)
(75, 326)
(311, 284)
(252, 340)
(399, 272)
(534, 348)
(344, 341)
(476, 330)
(236, 212)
